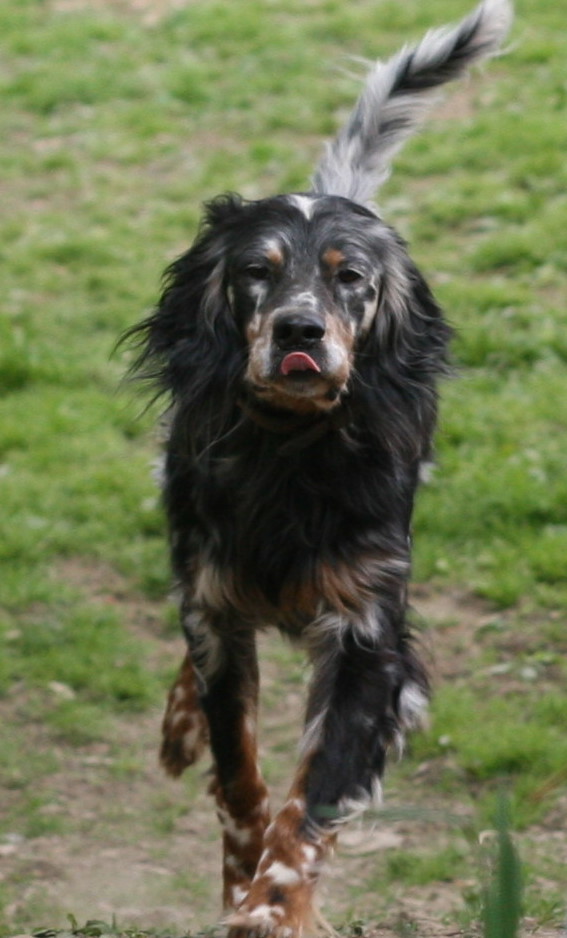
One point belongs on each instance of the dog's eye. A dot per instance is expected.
(349, 275)
(257, 272)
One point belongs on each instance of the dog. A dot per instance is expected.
(300, 350)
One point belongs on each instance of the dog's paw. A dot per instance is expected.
(184, 727)
(264, 921)
(273, 911)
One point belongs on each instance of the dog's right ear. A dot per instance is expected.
(191, 341)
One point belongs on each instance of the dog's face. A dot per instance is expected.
(297, 301)
(303, 281)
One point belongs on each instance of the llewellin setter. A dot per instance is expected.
(299, 348)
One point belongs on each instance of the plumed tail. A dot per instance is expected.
(396, 97)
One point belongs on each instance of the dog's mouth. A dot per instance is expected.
(300, 382)
(301, 377)
(298, 364)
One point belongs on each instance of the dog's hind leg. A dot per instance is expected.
(184, 727)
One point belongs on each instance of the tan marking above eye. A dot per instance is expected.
(275, 256)
(333, 257)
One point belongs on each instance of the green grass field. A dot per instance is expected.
(118, 119)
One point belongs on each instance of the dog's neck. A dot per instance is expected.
(300, 430)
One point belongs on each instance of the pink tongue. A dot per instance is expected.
(298, 361)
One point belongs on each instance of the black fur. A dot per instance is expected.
(267, 516)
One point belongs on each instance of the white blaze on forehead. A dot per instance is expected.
(305, 204)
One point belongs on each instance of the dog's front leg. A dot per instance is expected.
(352, 717)
(225, 657)
(280, 899)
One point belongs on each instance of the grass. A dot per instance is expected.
(116, 124)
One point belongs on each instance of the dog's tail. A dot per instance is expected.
(396, 96)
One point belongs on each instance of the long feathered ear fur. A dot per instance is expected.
(190, 346)
(401, 358)
(396, 97)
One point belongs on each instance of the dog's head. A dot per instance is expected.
(284, 298)
(303, 281)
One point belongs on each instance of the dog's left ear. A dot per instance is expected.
(401, 357)
(409, 331)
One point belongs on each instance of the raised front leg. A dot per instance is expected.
(225, 654)
(363, 693)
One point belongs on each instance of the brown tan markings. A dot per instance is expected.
(244, 813)
(305, 406)
(243, 826)
(184, 727)
(280, 898)
(275, 255)
(338, 587)
(333, 258)
(259, 338)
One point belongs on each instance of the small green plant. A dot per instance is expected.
(502, 899)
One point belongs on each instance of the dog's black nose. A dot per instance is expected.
(298, 331)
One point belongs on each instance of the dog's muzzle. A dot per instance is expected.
(298, 335)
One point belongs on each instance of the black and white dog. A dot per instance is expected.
(300, 348)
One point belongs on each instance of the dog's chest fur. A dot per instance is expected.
(286, 537)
